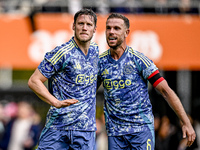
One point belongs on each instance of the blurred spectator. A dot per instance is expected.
(148, 6)
(10, 111)
(185, 7)
(125, 6)
(90, 4)
(169, 137)
(1, 6)
(134, 6)
(74, 6)
(34, 132)
(161, 7)
(101, 136)
(118, 6)
(103, 6)
(52, 6)
(21, 132)
(197, 129)
(1, 120)
(25, 6)
(157, 121)
(164, 133)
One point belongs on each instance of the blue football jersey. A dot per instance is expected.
(72, 75)
(127, 106)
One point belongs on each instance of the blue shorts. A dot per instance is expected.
(137, 141)
(66, 140)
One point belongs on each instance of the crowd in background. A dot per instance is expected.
(102, 6)
(20, 127)
(169, 136)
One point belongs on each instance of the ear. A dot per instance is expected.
(95, 28)
(127, 32)
(73, 26)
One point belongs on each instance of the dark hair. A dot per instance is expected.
(85, 11)
(120, 16)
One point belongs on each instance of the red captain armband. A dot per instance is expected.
(155, 78)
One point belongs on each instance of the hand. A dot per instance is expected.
(65, 103)
(28, 143)
(189, 133)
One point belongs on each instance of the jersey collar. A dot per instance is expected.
(120, 59)
(77, 47)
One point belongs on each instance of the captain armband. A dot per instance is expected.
(155, 78)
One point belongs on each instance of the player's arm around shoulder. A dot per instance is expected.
(175, 103)
(36, 83)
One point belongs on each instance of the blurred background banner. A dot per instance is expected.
(15, 33)
(171, 41)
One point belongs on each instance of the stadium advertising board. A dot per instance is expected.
(172, 42)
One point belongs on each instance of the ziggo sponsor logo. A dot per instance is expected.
(109, 84)
(82, 78)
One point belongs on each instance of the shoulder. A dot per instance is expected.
(94, 44)
(104, 54)
(68, 46)
(63, 48)
(103, 59)
(95, 47)
(140, 57)
(56, 55)
(134, 53)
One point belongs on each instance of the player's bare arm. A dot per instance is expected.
(174, 102)
(36, 83)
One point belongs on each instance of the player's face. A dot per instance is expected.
(84, 28)
(116, 32)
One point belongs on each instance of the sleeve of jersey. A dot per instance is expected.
(145, 66)
(52, 62)
(155, 78)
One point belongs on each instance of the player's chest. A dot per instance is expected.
(82, 65)
(120, 71)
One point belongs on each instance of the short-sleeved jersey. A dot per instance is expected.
(127, 106)
(72, 75)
